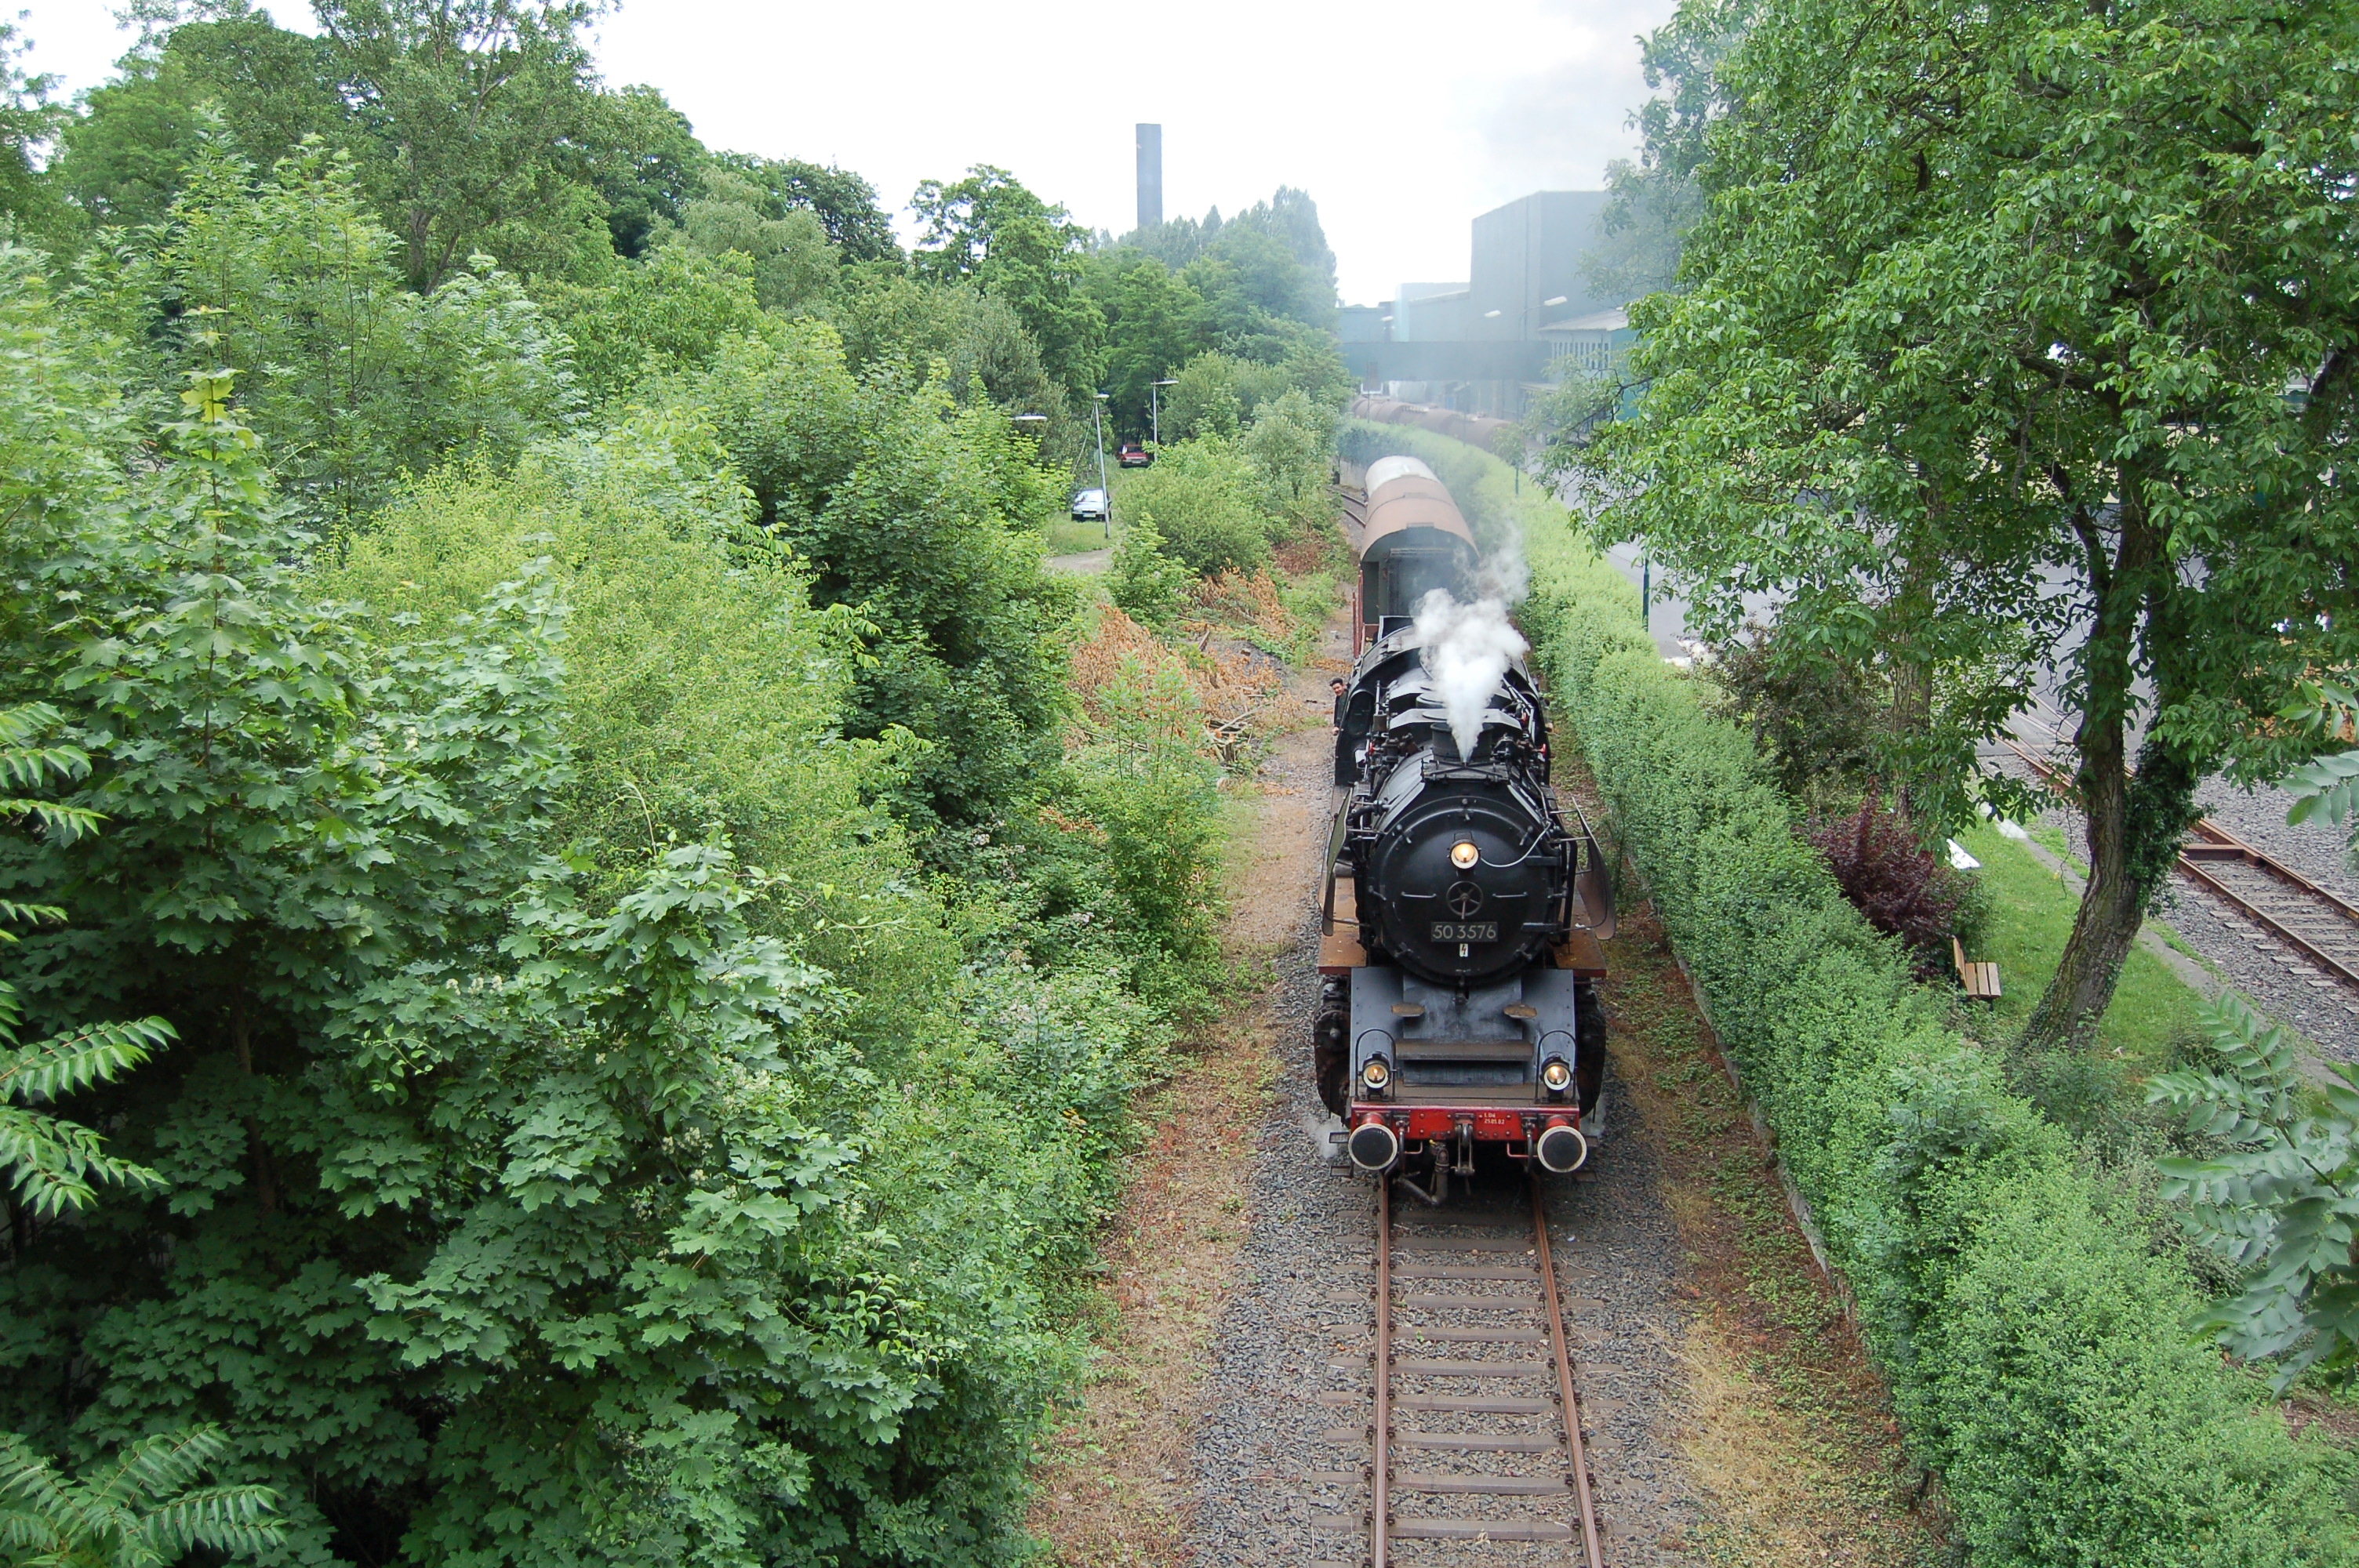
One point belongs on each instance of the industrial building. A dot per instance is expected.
(1486, 345)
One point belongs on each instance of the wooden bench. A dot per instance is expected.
(1981, 980)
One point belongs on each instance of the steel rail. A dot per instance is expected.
(1590, 1546)
(1380, 1435)
(2216, 843)
(1381, 1526)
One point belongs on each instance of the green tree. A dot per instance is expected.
(844, 203)
(1145, 581)
(897, 325)
(1216, 394)
(145, 1510)
(989, 228)
(1291, 444)
(794, 262)
(352, 379)
(1654, 199)
(645, 160)
(970, 652)
(470, 115)
(1155, 323)
(27, 121)
(670, 310)
(1990, 333)
(124, 160)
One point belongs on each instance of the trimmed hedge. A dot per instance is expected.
(2036, 1344)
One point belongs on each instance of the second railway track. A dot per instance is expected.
(1475, 1432)
(2315, 923)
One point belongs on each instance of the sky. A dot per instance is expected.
(1402, 124)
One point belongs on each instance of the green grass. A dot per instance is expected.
(1067, 538)
(2031, 917)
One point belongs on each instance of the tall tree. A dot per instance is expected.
(1155, 324)
(473, 114)
(27, 119)
(845, 203)
(2035, 319)
(1655, 198)
(124, 160)
(990, 228)
(644, 158)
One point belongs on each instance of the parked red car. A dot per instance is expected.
(1131, 455)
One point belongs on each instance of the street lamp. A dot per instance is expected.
(1155, 406)
(1097, 418)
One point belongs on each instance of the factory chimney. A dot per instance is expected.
(1150, 175)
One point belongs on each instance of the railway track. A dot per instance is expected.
(1475, 1436)
(1355, 512)
(2315, 923)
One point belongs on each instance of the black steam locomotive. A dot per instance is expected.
(1461, 915)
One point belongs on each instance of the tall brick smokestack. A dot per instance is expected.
(1150, 175)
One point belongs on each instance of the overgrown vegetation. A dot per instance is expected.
(2276, 1195)
(526, 667)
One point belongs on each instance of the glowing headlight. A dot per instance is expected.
(1376, 1074)
(1555, 1075)
(1464, 854)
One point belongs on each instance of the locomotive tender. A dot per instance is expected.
(1461, 915)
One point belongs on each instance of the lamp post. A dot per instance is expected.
(1155, 407)
(1097, 420)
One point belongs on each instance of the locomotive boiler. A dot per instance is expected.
(1461, 914)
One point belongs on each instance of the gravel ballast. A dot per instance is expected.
(1289, 1393)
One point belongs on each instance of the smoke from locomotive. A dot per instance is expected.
(1462, 913)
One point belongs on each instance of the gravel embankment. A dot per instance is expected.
(1279, 1446)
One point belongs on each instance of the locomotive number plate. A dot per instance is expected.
(1466, 931)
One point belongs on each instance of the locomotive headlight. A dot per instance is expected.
(1376, 1074)
(1464, 854)
(1555, 1075)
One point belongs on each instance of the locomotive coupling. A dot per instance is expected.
(1374, 1147)
(1560, 1149)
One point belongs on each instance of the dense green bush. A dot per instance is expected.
(1147, 582)
(2039, 1353)
(348, 378)
(1203, 499)
(589, 1130)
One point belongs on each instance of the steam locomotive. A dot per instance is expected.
(1461, 917)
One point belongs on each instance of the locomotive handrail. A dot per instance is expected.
(1334, 848)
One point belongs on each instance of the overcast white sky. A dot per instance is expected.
(1402, 119)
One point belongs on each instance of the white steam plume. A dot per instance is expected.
(1467, 648)
(1503, 573)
